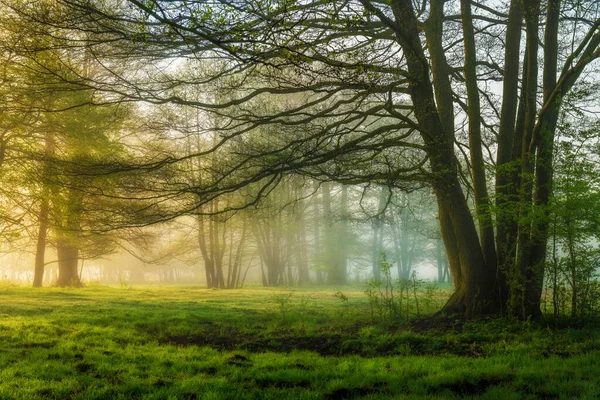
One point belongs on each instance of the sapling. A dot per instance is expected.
(282, 299)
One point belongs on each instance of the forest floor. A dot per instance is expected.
(185, 342)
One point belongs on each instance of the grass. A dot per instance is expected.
(192, 343)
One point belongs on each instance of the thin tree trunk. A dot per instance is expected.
(376, 245)
(343, 240)
(329, 256)
(40, 253)
(237, 262)
(440, 261)
(230, 262)
(398, 237)
(317, 222)
(41, 243)
(303, 276)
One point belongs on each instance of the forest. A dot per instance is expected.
(278, 199)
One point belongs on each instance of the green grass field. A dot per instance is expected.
(192, 343)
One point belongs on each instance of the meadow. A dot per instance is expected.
(186, 342)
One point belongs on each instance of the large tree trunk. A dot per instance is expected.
(519, 276)
(475, 288)
(475, 282)
(543, 139)
(67, 245)
(68, 260)
(507, 170)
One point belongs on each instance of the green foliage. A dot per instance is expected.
(573, 285)
(383, 302)
(282, 300)
(391, 299)
(304, 308)
(343, 299)
(572, 280)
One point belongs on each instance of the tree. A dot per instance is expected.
(574, 218)
(334, 69)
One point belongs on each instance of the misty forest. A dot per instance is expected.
(281, 199)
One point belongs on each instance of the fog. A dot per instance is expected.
(303, 233)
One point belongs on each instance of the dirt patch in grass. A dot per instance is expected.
(34, 345)
(324, 343)
(437, 324)
(465, 388)
(353, 393)
(239, 360)
(84, 367)
(281, 384)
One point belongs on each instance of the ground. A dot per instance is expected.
(187, 342)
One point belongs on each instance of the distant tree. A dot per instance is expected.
(63, 132)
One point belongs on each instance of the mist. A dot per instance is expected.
(304, 233)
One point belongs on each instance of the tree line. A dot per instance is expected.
(469, 99)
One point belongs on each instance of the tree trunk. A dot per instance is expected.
(506, 176)
(484, 215)
(40, 252)
(235, 257)
(318, 246)
(474, 289)
(268, 239)
(377, 243)
(300, 246)
(440, 261)
(338, 238)
(209, 268)
(343, 240)
(475, 282)
(518, 277)
(68, 260)
(330, 255)
(543, 139)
